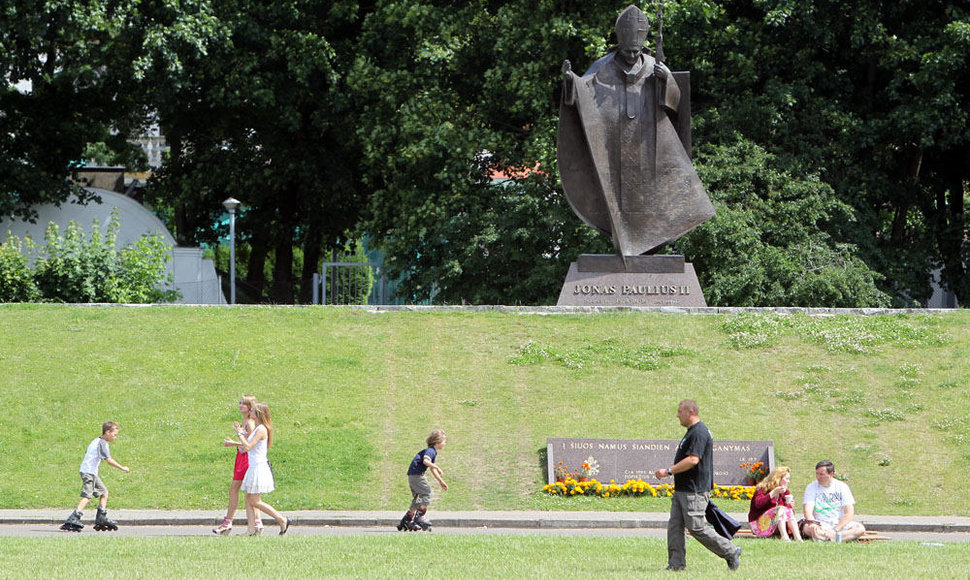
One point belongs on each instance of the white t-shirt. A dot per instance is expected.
(827, 502)
(97, 450)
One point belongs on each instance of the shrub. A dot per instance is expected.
(72, 268)
(16, 276)
(142, 266)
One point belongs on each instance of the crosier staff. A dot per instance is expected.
(659, 58)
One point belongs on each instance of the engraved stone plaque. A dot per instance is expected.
(624, 459)
(631, 288)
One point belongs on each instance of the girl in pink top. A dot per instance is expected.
(772, 510)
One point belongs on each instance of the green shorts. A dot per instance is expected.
(92, 486)
(420, 491)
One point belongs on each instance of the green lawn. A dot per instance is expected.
(448, 556)
(354, 394)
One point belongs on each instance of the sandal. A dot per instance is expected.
(285, 527)
(224, 528)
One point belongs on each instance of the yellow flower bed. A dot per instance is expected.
(733, 491)
(636, 488)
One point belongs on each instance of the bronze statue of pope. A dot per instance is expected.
(624, 145)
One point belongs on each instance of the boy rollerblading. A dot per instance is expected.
(422, 463)
(91, 484)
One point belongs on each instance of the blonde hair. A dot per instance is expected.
(261, 414)
(250, 401)
(437, 436)
(774, 479)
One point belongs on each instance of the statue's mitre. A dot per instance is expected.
(632, 27)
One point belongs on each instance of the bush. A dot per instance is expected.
(141, 268)
(16, 276)
(73, 270)
(70, 268)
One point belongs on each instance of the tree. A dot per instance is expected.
(870, 96)
(857, 109)
(452, 94)
(68, 84)
(767, 245)
(469, 87)
(262, 116)
(429, 100)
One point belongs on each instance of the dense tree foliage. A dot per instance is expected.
(260, 116)
(870, 96)
(68, 84)
(767, 244)
(456, 94)
(866, 99)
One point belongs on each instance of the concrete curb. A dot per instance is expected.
(554, 309)
(545, 520)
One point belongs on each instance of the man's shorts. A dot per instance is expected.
(92, 486)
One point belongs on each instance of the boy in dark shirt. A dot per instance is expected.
(418, 481)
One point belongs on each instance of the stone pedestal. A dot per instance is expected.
(613, 280)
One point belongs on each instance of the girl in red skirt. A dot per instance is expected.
(247, 406)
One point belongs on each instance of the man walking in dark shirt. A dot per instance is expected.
(693, 472)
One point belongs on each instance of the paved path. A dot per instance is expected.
(45, 522)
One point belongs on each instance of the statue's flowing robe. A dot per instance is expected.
(625, 168)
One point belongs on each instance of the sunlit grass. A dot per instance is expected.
(455, 556)
(355, 393)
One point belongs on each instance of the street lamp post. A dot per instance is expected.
(231, 205)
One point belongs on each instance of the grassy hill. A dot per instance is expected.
(354, 393)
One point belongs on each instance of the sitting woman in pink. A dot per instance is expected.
(771, 510)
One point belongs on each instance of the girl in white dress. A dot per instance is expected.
(259, 476)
